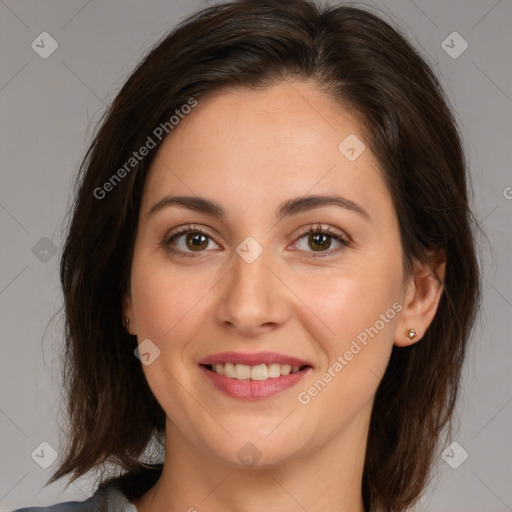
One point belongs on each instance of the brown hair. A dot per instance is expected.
(364, 64)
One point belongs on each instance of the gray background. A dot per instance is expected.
(49, 108)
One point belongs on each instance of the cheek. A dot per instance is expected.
(164, 299)
(167, 306)
(358, 310)
(348, 300)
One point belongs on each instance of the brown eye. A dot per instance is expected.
(189, 240)
(319, 241)
(323, 241)
(196, 241)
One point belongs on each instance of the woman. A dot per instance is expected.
(270, 267)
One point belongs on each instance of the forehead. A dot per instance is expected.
(265, 145)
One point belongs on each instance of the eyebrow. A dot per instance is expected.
(286, 209)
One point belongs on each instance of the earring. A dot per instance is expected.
(410, 333)
(126, 322)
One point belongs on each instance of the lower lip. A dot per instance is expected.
(253, 389)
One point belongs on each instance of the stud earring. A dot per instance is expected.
(126, 322)
(410, 333)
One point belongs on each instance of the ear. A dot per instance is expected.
(128, 314)
(422, 294)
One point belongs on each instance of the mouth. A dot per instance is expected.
(257, 372)
(253, 376)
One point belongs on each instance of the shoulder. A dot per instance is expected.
(114, 495)
(71, 506)
(110, 499)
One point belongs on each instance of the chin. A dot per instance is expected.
(258, 451)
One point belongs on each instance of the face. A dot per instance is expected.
(265, 270)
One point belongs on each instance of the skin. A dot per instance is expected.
(250, 151)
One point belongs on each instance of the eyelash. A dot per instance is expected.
(311, 231)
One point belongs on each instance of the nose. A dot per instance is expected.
(253, 300)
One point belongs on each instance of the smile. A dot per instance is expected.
(258, 372)
(253, 376)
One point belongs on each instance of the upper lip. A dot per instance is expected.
(253, 359)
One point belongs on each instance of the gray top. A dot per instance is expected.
(111, 499)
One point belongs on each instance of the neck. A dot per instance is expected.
(327, 477)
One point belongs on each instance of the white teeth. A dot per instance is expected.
(257, 372)
(286, 369)
(274, 370)
(229, 370)
(242, 372)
